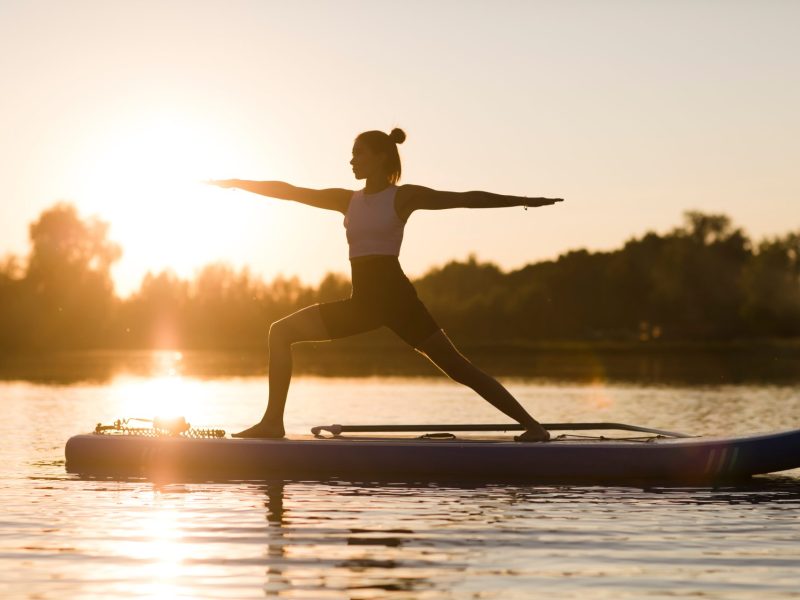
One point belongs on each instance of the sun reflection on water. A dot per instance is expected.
(154, 538)
(166, 551)
(599, 397)
(166, 394)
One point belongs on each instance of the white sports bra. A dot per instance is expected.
(372, 224)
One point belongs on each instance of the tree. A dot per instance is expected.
(67, 286)
(11, 331)
(696, 278)
(154, 317)
(226, 309)
(771, 282)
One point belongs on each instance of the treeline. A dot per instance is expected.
(704, 280)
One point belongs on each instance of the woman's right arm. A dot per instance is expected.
(331, 199)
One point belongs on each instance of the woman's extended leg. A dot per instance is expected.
(305, 325)
(441, 352)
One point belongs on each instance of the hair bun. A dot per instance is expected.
(398, 136)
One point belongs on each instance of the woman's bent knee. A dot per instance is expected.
(280, 333)
(305, 325)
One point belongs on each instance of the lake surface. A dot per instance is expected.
(66, 537)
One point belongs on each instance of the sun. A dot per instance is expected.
(146, 179)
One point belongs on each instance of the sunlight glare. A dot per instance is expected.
(159, 546)
(165, 397)
(147, 180)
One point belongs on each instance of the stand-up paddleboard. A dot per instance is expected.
(397, 453)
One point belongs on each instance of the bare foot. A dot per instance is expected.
(536, 433)
(261, 430)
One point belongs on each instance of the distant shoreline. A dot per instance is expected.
(668, 363)
(388, 344)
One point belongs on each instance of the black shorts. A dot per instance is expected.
(382, 295)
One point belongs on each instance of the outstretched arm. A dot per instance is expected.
(330, 199)
(414, 197)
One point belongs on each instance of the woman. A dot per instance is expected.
(374, 219)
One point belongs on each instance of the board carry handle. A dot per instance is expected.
(336, 430)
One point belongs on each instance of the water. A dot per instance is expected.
(64, 537)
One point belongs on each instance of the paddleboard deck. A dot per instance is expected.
(405, 458)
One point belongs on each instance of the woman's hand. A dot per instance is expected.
(224, 183)
(533, 202)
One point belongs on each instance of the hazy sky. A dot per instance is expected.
(633, 111)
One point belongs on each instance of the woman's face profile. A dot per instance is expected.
(365, 162)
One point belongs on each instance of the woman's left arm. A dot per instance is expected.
(414, 197)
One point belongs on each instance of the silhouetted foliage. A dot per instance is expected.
(66, 297)
(704, 280)
(771, 288)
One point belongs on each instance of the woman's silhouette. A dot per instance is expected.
(374, 219)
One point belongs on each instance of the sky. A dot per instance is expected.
(632, 111)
